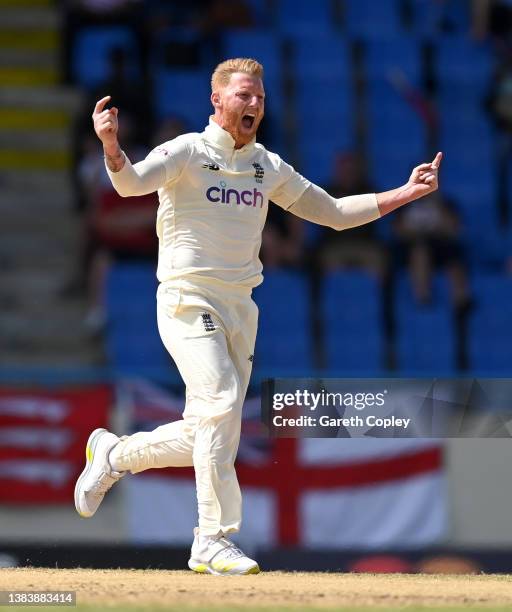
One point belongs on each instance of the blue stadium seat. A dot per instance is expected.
(304, 16)
(183, 93)
(425, 335)
(324, 102)
(320, 56)
(430, 18)
(460, 60)
(261, 13)
(385, 57)
(351, 306)
(91, 51)
(123, 279)
(470, 179)
(284, 342)
(325, 113)
(264, 46)
(487, 243)
(367, 19)
(490, 327)
(133, 344)
(396, 135)
(261, 45)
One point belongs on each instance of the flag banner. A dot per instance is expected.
(330, 493)
(387, 408)
(43, 434)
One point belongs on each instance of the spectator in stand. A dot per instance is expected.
(492, 17)
(499, 105)
(357, 247)
(229, 14)
(78, 14)
(428, 238)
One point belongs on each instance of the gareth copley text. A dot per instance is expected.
(353, 421)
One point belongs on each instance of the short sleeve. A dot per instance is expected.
(173, 155)
(290, 186)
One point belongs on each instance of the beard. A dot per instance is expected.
(233, 124)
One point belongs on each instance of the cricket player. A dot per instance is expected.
(214, 188)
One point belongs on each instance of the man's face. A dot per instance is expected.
(240, 106)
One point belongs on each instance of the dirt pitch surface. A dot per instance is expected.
(170, 590)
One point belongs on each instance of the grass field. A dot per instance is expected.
(160, 590)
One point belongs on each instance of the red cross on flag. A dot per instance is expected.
(319, 493)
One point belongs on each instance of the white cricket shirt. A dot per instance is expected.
(213, 205)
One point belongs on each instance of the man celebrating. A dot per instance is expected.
(214, 188)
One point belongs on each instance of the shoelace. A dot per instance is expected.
(230, 550)
(103, 484)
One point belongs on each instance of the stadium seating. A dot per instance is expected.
(459, 60)
(384, 57)
(325, 112)
(425, 338)
(430, 18)
(304, 16)
(91, 50)
(396, 135)
(172, 96)
(367, 19)
(324, 102)
(351, 307)
(490, 328)
(320, 56)
(133, 344)
(284, 343)
(264, 46)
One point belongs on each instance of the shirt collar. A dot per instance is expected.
(223, 139)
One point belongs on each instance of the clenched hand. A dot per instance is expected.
(424, 178)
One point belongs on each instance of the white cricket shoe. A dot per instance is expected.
(217, 555)
(97, 477)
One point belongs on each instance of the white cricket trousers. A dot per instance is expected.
(210, 332)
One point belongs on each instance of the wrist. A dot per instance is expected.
(112, 151)
(114, 158)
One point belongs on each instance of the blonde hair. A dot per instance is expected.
(222, 74)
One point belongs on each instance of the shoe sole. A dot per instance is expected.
(90, 449)
(203, 568)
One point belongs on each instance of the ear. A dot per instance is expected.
(215, 98)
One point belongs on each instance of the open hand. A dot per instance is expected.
(105, 122)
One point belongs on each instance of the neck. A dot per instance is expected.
(220, 123)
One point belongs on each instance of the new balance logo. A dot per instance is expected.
(251, 358)
(207, 322)
(210, 166)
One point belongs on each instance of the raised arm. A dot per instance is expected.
(140, 179)
(318, 206)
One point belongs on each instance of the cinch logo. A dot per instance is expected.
(233, 196)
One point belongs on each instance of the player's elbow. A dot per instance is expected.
(339, 226)
(124, 191)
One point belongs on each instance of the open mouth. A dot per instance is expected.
(248, 121)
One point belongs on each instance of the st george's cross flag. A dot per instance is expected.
(317, 493)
